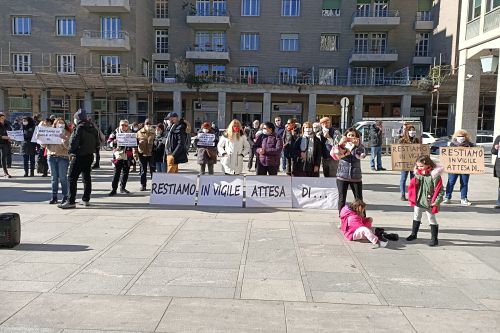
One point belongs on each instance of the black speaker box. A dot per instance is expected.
(10, 230)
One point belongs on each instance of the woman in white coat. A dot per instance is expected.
(232, 147)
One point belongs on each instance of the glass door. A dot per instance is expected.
(110, 27)
(378, 43)
(381, 8)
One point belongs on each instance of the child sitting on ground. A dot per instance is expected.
(355, 226)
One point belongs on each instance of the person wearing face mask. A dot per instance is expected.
(4, 144)
(28, 148)
(251, 135)
(268, 147)
(328, 136)
(376, 136)
(206, 147)
(306, 153)
(408, 136)
(159, 148)
(289, 137)
(317, 129)
(232, 147)
(58, 158)
(144, 151)
(122, 160)
(460, 139)
(176, 150)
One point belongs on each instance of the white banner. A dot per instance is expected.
(268, 191)
(16, 135)
(173, 189)
(126, 139)
(312, 192)
(206, 139)
(221, 191)
(48, 135)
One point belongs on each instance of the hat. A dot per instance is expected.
(172, 115)
(2, 114)
(81, 115)
(52, 116)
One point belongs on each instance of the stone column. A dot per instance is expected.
(3, 99)
(469, 81)
(35, 102)
(450, 123)
(266, 107)
(44, 103)
(178, 103)
(87, 102)
(221, 109)
(358, 108)
(312, 107)
(132, 103)
(406, 106)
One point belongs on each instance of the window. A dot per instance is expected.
(361, 43)
(66, 64)
(288, 75)
(110, 65)
(359, 76)
(249, 41)
(250, 7)
(328, 76)
(145, 68)
(161, 8)
(420, 71)
(377, 76)
(331, 7)
(424, 10)
(289, 42)
(21, 62)
(363, 8)
(211, 8)
(21, 25)
(201, 69)
(161, 72)
(203, 7)
(218, 73)
(219, 8)
(161, 41)
(378, 43)
(290, 7)
(66, 26)
(329, 42)
(492, 4)
(422, 45)
(382, 8)
(111, 27)
(249, 74)
(474, 9)
(206, 41)
(219, 41)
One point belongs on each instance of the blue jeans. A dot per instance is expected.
(402, 181)
(59, 173)
(464, 185)
(283, 161)
(376, 151)
(160, 167)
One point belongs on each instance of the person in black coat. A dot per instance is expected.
(159, 148)
(306, 153)
(290, 135)
(376, 136)
(4, 144)
(495, 150)
(206, 149)
(175, 145)
(28, 148)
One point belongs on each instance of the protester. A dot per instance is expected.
(460, 139)
(159, 149)
(28, 148)
(425, 194)
(215, 128)
(408, 136)
(4, 144)
(42, 165)
(327, 136)
(317, 129)
(279, 128)
(268, 147)
(306, 153)
(289, 137)
(122, 159)
(175, 145)
(355, 226)
(83, 142)
(58, 158)
(376, 131)
(349, 153)
(251, 134)
(102, 141)
(206, 150)
(134, 128)
(495, 150)
(144, 151)
(232, 147)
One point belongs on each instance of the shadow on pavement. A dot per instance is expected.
(51, 247)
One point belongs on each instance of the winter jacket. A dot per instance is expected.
(496, 169)
(232, 153)
(206, 154)
(175, 144)
(250, 133)
(305, 166)
(280, 132)
(327, 144)
(84, 140)
(424, 190)
(349, 168)
(375, 136)
(3, 132)
(289, 138)
(159, 149)
(61, 150)
(145, 142)
(28, 147)
(351, 221)
(120, 152)
(455, 143)
(272, 146)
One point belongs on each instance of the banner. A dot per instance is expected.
(403, 156)
(224, 191)
(206, 139)
(126, 139)
(173, 189)
(312, 192)
(462, 160)
(48, 135)
(16, 135)
(268, 191)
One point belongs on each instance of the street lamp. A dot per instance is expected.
(489, 63)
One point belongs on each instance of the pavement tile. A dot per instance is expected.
(277, 271)
(444, 257)
(181, 291)
(35, 286)
(273, 289)
(479, 288)
(125, 266)
(316, 227)
(39, 272)
(345, 297)
(316, 238)
(258, 234)
(338, 282)
(469, 271)
(255, 254)
(330, 264)
(95, 284)
(215, 225)
(491, 304)
(323, 250)
(203, 235)
(127, 250)
(198, 260)
(270, 223)
(13, 302)
(271, 244)
(4, 329)
(204, 246)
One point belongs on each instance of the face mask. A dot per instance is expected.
(75, 121)
(308, 131)
(205, 130)
(412, 133)
(265, 132)
(136, 128)
(60, 125)
(423, 172)
(290, 127)
(236, 129)
(460, 139)
(25, 123)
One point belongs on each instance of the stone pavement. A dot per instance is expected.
(121, 265)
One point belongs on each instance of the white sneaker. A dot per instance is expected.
(85, 203)
(465, 202)
(447, 201)
(380, 244)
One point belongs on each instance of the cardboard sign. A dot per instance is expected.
(221, 191)
(48, 135)
(173, 189)
(206, 139)
(126, 139)
(462, 160)
(312, 192)
(403, 156)
(16, 135)
(268, 191)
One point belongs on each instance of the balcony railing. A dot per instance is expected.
(106, 40)
(208, 48)
(376, 13)
(424, 16)
(209, 12)
(492, 20)
(472, 29)
(373, 50)
(105, 34)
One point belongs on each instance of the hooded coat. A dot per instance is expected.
(351, 221)
(206, 154)
(232, 152)
(175, 144)
(84, 140)
(28, 147)
(426, 189)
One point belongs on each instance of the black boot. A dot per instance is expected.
(32, 173)
(414, 231)
(391, 237)
(434, 235)
(53, 201)
(379, 232)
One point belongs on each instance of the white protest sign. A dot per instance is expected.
(33, 138)
(126, 139)
(173, 189)
(221, 191)
(268, 191)
(48, 135)
(16, 135)
(206, 139)
(312, 192)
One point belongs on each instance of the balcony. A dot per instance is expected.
(209, 19)
(161, 56)
(367, 56)
(424, 21)
(472, 29)
(371, 21)
(106, 6)
(106, 41)
(492, 20)
(422, 59)
(215, 53)
(161, 22)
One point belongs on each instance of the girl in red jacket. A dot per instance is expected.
(356, 227)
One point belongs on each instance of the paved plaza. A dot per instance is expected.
(122, 265)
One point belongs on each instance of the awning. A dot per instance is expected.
(424, 5)
(332, 4)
